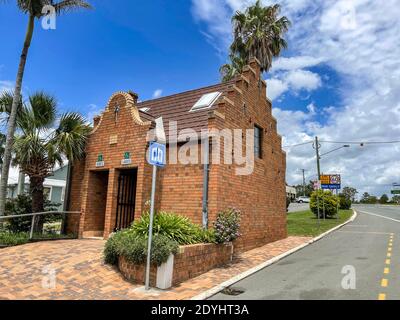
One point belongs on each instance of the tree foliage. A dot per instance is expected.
(326, 202)
(258, 32)
(44, 140)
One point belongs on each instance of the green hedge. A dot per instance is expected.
(134, 248)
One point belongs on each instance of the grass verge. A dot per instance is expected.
(305, 223)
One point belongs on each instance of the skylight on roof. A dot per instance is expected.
(144, 109)
(206, 101)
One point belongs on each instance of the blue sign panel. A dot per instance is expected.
(331, 186)
(157, 154)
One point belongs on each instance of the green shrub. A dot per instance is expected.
(13, 239)
(134, 248)
(23, 205)
(174, 227)
(344, 202)
(227, 226)
(327, 202)
(162, 248)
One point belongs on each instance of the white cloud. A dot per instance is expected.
(295, 63)
(157, 93)
(358, 39)
(303, 80)
(294, 81)
(275, 88)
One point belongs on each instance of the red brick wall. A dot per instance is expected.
(190, 262)
(180, 190)
(195, 260)
(136, 273)
(77, 174)
(261, 195)
(96, 207)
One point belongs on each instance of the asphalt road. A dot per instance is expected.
(297, 207)
(361, 247)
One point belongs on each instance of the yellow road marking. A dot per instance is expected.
(388, 261)
(386, 271)
(390, 249)
(389, 255)
(382, 297)
(384, 283)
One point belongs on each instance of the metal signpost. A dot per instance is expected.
(157, 158)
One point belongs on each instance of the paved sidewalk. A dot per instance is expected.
(26, 272)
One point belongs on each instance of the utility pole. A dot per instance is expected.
(319, 173)
(318, 158)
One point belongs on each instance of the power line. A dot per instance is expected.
(298, 145)
(361, 142)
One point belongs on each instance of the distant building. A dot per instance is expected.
(291, 192)
(54, 187)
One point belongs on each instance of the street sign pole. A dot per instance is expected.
(153, 194)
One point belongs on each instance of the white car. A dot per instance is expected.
(303, 200)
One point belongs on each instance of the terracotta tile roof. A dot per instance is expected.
(177, 108)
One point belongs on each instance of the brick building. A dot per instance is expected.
(111, 187)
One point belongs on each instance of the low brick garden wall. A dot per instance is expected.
(190, 262)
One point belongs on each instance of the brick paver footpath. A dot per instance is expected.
(74, 270)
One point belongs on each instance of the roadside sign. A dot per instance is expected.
(331, 182)
(317, 185)
(157, 154)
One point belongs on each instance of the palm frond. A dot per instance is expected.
(71, 5)
(258, 32)
(71, 136)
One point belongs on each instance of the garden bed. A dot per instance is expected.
(190, 262)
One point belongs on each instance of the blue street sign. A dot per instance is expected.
(331, 186)
(157, 154)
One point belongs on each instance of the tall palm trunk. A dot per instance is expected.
(36, 190)
(12, 120)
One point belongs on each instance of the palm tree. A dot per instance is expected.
(258, 32)
(230, 70)
(34, 10)
(39, 147)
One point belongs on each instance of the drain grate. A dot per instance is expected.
(233, 291)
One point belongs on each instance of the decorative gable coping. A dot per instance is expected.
(130, 103)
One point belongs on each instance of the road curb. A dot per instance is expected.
(211, 292)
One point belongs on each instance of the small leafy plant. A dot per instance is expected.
(13, 239)
(327, 202)
(227, 226)
(174, 227)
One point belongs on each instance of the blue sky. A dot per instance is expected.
(118, 46)
(157, 45)
(340, 78)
